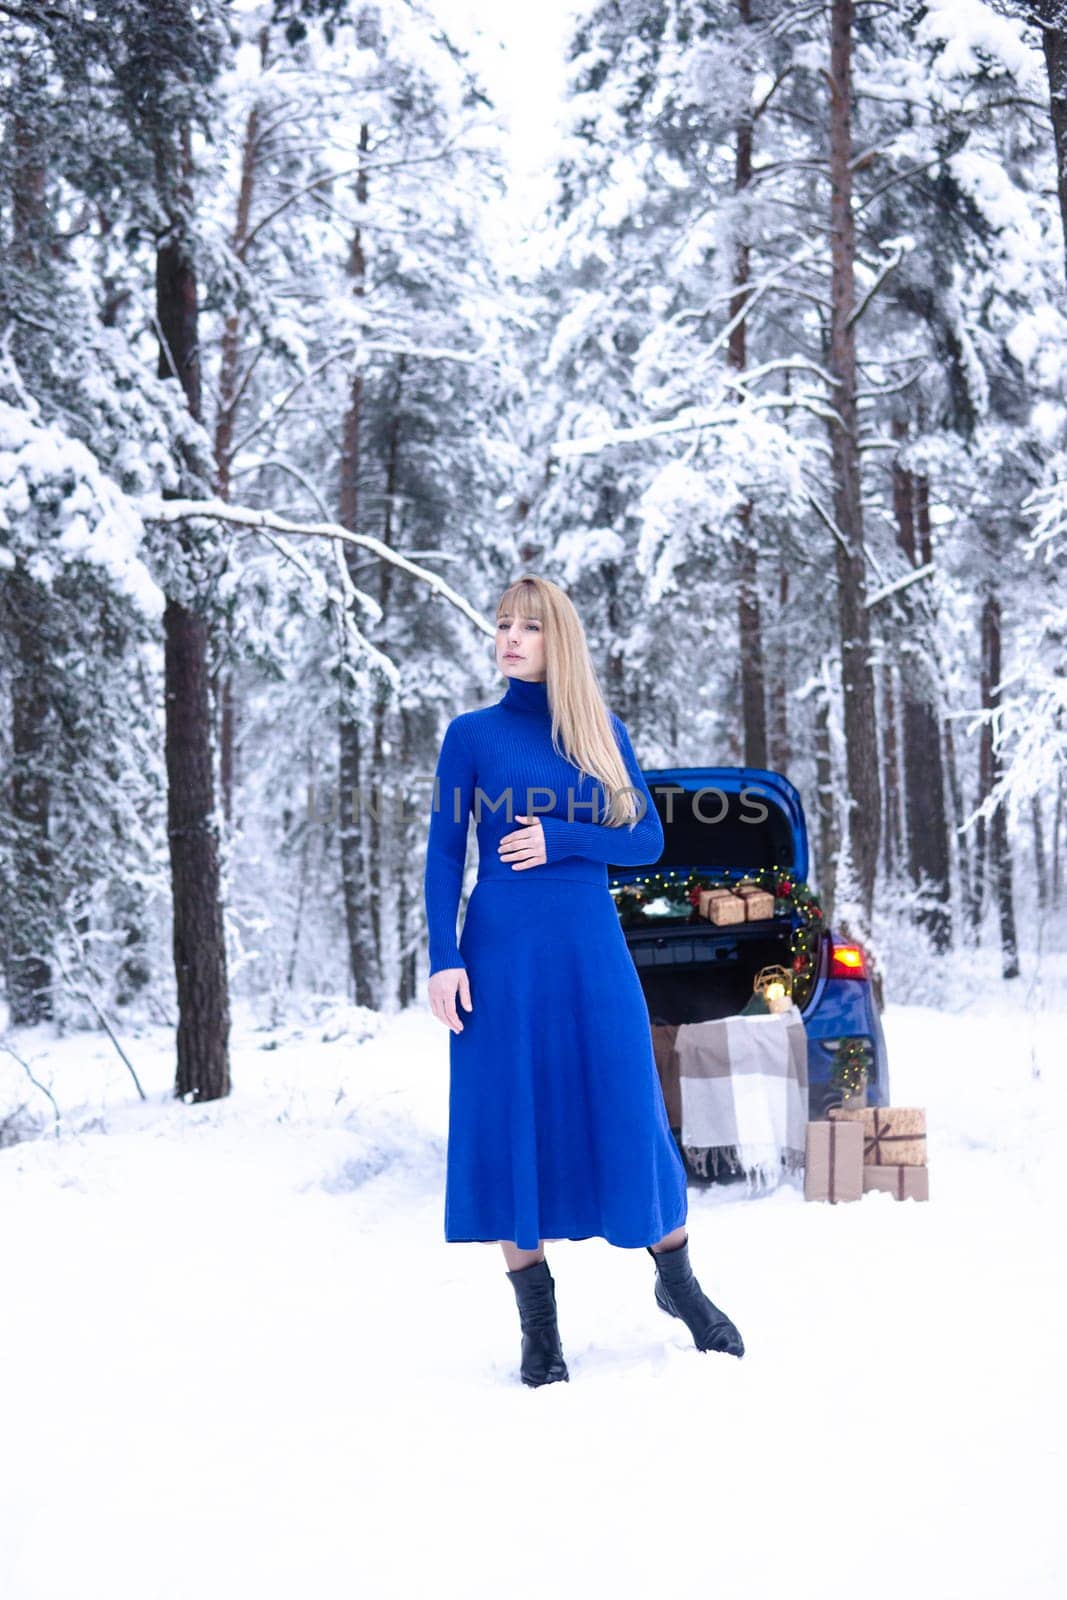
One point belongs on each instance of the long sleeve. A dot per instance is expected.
(626, 846)
(446, 846)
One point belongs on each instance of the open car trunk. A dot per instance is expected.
(727, 823)
(698, 973)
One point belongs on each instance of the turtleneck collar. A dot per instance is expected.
(526, 696)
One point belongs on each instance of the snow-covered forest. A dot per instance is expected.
(298, 370)
(773, 386)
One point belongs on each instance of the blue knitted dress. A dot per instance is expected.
(557, 1124)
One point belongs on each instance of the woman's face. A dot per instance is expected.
(520, 647)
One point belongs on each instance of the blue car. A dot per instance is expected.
(730, 823)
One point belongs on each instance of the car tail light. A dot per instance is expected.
(847, 961)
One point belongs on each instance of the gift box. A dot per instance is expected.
(903, 1183)
(721, 907)
(833, 1161)
(759, 903)
(893, 1135)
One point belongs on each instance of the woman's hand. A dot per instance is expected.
(525, 847)
(443, 988)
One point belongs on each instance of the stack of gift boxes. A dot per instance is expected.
(879, 1147)
(746, 903)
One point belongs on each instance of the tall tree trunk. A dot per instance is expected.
(388, 845)
(750, 634)
(924, 778)
(30, 918)
(230, 390)
(892, 832)
(1051, 18)
(1040, 858)
(1000, 868)
(618, 684)
(978, 881)
(753, 696)
(230, 386)
(781, 754)
(863, 798)
(408, 887)
(362, 946)
(28, 174)
(957, 837)
(824, 801)
(203, 1071)
(924, 554)
(928, 850)
(1057, 841)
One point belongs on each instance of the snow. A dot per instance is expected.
(241, 1358)
(582, 550)
(97, 523)
(970, 29)
(1005, 206)
(624, 191)
(1037, 341)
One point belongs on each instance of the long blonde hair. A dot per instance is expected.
(581, 726)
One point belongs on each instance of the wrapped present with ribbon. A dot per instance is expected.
(721, 906)
(759, 903)
(903, 1183)
(833, 1161)
(894, 1136)
(704, 896)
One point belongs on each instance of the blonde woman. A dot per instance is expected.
(557, 1123)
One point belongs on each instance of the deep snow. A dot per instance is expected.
(240, 1359)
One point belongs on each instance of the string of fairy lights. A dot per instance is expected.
(792, 898)
(853, 1059)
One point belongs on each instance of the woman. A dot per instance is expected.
(557, 1123)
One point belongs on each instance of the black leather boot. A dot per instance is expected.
(678, 1292)
(542, 1356)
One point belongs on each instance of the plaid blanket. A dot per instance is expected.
(743, 1085)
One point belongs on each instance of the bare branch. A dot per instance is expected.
(294, 472)
(829, 522)
(779, 80)
(771, 169)
(25, 1065)
(325, 179)
(890, 266)
(85, 993)
(362, 347)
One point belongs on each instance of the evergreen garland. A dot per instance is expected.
(852, 1064)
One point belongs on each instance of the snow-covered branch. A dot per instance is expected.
(898, 584)
(689, 421)
(342, 602)
(828, 521)
(153, 508)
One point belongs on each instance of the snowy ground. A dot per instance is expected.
(240, 1359)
